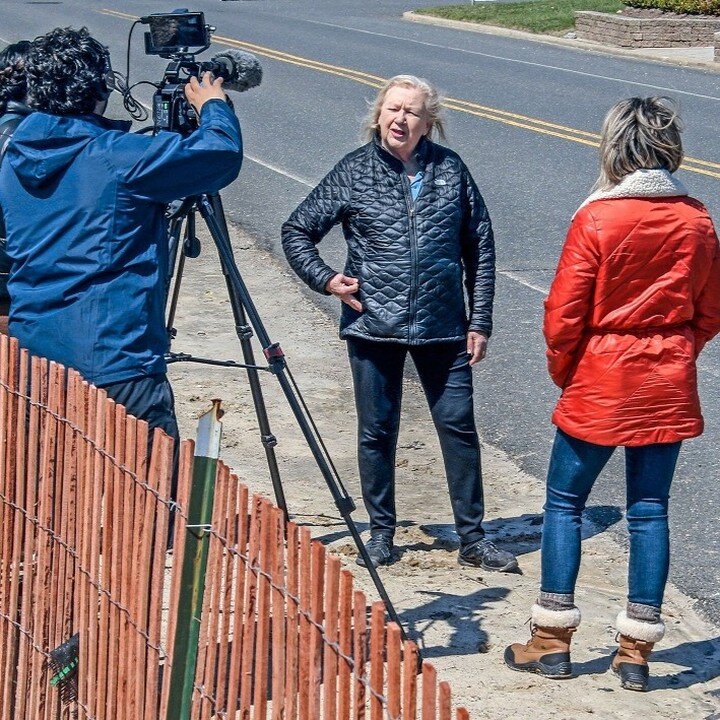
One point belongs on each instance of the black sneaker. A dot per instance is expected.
(484, 554)
(379, 548)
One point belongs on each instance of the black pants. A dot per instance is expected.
(151, 399)
(446, 377)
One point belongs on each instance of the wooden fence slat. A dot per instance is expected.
(97, 471)
(44, 584)
(278, 617)
(410, 672)
(330, 665)
(12, 552)
(114, 576)
(444, 702)
(304, 657)
(394, 670)
(429, 692)
(262, 651)
(377, 645)
(160, 484)
(7, 401)
(22, 485)
(54, 482)
(29, 540)
(41, 542)
(128, 588)
(85, 513)
(228, 571)
(345, 641)
(240, 572)
(68, 507)
(292, 628)
(58, 528)
(37, 537)
(249, 611)
(316, 639)
(359, 653)
(106, 533)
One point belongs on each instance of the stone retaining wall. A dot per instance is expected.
(632, 32)
(717, 47)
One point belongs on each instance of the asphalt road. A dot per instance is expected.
(523, 116)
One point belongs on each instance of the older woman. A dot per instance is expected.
(415, 226)
(635, 298)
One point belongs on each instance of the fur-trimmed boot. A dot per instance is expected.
(548, 651)
(636, 638)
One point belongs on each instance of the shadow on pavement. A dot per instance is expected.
(700, 658)
(522, 534)
(461, 612)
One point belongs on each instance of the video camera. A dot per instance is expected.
(180, 36)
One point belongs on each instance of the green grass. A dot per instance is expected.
(538, 16)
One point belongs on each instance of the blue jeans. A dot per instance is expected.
(446, 377)
(574, 467)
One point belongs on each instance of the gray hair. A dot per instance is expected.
(639, 133)
(431, 100)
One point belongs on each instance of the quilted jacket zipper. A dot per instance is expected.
(410, 203)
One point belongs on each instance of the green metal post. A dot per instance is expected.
(194, 563)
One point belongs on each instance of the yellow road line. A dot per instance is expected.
(465, 106)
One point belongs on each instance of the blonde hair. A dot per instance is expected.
(639, 133)
(431, 100)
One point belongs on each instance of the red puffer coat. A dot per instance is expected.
(635, 298)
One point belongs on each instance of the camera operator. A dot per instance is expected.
(84, 202)
(13, 111)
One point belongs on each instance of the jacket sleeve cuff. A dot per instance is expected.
(484, 329)
(323, 279)
(217, 102)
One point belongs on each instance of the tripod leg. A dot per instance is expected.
(174, 233)
(245, 333)
(210, 207)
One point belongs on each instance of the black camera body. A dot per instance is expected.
(171, 110)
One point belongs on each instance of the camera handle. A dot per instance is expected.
(210, 208)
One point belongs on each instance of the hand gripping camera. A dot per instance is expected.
(180, 36)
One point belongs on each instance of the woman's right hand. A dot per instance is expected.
(344, 288)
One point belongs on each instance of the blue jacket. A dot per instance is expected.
(83, 200)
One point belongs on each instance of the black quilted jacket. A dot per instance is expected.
(409, 257)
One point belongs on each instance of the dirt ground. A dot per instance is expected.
(462, 618)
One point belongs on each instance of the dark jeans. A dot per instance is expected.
(151, 399)
(574, 467)
(446, 377)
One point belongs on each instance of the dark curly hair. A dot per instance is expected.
(13, 85)
(66, 72)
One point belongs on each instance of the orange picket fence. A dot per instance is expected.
(84, 522)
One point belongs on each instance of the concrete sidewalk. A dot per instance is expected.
(697, 57)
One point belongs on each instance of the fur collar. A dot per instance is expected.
(642, 183)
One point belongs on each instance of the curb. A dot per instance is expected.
(586, 45)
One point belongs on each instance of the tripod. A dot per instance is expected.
(211, 210)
